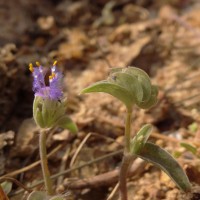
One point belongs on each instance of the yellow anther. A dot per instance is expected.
(37, 63)
(52, 76)
(55, 62)
(31, 67)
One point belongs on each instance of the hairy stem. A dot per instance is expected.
(128, 132)
(127, 158)
(126, 163)
(44, 164)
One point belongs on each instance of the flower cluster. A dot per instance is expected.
(54, 90)
(49, 105)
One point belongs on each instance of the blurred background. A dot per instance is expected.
(88, 37)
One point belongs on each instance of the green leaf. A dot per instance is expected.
(112, 89)
(37, 195)
(144, 80)
(189, 147)
(137, 72)
(66, 123)
(158, 156)
(6, 186)
(140, 139)
(129, 83)
(152, 101)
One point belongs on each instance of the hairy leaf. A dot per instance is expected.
(161, 158)
(115, 90)
(130, 85)
(144, 80)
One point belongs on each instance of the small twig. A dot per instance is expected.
(29, 167)
(114, 190)
(73, 169)
(78, 149)
(107, 178)
(155, 135)
(88, 163)
(107, 138)
(16, 182)
(62, 165)
(64, 159)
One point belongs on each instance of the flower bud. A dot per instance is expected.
(47, 112)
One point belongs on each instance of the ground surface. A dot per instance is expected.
(88, 38)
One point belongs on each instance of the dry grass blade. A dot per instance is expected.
(63, 165)
(113, 192)
(79, 149)
(29, 167)
(73, 169)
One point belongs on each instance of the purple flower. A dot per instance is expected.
(54, 90)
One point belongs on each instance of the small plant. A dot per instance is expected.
(132, 86)
(48, 112)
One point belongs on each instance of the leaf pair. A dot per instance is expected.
(130, 85)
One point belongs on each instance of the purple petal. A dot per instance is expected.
(38, 77)
(55, 85)
(54, 91)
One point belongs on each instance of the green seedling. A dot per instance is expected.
(132, 86)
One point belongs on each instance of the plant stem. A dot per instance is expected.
(127, 158)
(128, 132)
(126, 163)
(44, 164)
